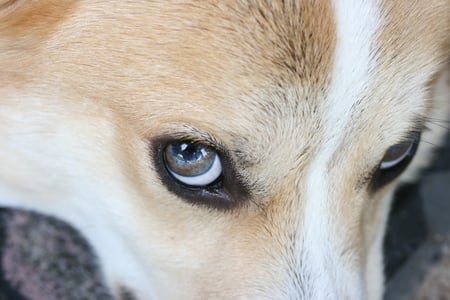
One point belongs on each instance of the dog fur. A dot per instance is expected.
(305, 96)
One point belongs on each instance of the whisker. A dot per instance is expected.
(440, 125)
(445, 121)
(430, 143)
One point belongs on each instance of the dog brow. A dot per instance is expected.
(188, 132)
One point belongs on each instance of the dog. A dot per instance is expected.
(222, 149)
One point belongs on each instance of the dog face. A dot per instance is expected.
(221, 149)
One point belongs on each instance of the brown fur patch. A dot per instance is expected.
(33, 18)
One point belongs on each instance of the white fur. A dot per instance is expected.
(72, 174)
(357, 24)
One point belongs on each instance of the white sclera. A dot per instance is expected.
(204, 179)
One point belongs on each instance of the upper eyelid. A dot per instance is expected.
(411, 135)
(192, 134)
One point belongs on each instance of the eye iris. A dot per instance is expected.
(189, 159)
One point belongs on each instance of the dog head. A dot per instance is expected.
(220, 149)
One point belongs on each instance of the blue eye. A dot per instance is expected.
(193, 164)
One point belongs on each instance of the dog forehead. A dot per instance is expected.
(208, 62)
(201, 51)
(254, 62)
(250, 55)
(240, 59)
(230, 57)
(270, 38)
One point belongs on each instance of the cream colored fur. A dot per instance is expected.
(306, 96)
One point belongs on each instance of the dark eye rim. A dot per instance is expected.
(225, 193)
(382, 177)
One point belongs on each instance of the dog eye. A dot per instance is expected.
(200, 172)
(192, 164)
(396, 154)
(395, 161)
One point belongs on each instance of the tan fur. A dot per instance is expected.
(94, 82)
